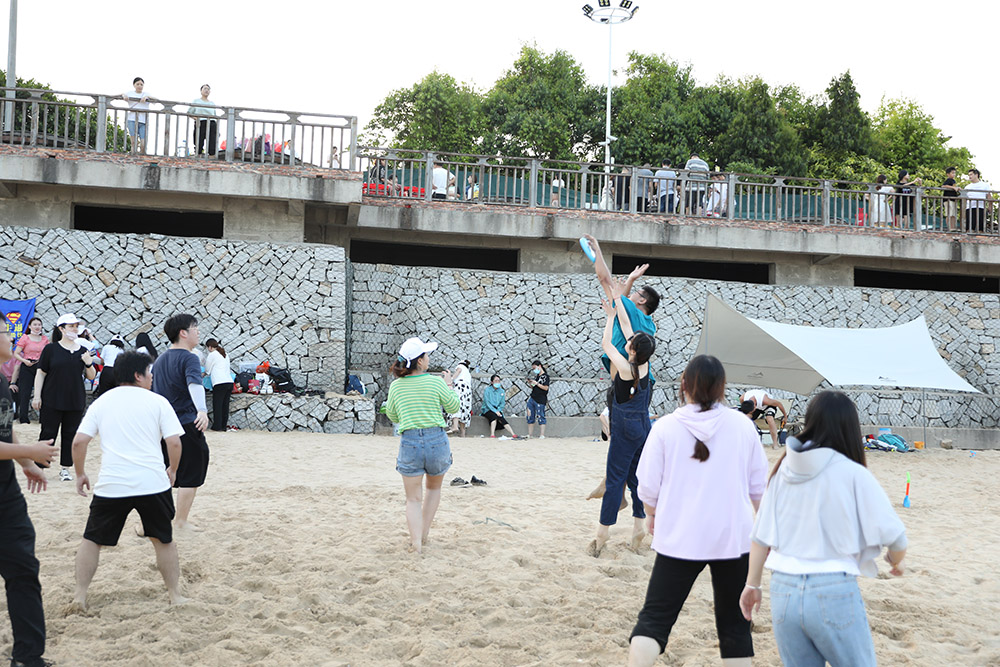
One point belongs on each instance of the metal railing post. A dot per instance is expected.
(826, 203)
(731, 197)
(633, 192)
(230, 133)
(680, 209)
(533, 184)
(779, 205)
(102, 123)
(34, 122)
(352, 159)
(429, 176)
(918, 205)
(168, 116)
(584, 177)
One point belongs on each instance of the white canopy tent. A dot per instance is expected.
(799, 358)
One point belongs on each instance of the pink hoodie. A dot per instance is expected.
(703, 509)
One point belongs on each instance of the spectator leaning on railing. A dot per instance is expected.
(665, 186)
(950, 195)
(977, 193)
(697, 171)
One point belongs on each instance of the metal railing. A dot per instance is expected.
(106, 124)
(534, 183)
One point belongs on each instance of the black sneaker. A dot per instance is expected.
(37, 662)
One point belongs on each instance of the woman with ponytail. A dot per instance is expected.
(704, 471)
(219, 371)
(629, 418)
(415, 404)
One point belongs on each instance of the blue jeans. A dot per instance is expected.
(820, 618)
(423, 451)
(130, 124)
(535, 409)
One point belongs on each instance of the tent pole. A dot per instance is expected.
(923, 394)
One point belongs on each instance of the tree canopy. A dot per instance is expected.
(543, 107)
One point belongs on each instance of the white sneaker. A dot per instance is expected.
(65, 476)
(541, 437)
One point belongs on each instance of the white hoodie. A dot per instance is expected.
(703, 509)
(822, 506)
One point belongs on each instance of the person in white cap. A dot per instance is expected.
(414, 404)
(59, 395)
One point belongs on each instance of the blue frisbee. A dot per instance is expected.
(587, 250)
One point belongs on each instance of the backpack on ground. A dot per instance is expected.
(354, 383)
(243, 380)
(282, 379)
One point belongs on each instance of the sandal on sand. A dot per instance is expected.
(458, 481)
(478, 482)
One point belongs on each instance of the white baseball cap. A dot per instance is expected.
(68, 318)
(414, 347)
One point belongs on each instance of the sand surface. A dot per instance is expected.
(301, 559)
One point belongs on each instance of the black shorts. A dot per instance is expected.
(194, 458)
(494, 417)
(768, 411)
(107, 517)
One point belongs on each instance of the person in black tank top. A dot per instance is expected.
(629, 422)
(18, 565)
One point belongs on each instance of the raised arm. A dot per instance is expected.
(601, 267)
(617, 360)
(637, 272)
(623, 319)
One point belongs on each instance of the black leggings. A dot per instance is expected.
(67, 421)
(671, 582)
(220, 405)
(19, 569)
(25, 386)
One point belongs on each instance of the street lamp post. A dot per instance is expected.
(8, 114)
(610, 16)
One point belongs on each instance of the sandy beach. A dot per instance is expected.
(301, 559)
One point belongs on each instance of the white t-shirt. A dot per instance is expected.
(134, 103)
(109, 353)
(218, 368)
(757, 396)
(131, 421)
(976, 193)
(440, 180)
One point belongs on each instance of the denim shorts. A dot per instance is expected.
(423, 451)
(535, 409)
(130, 124)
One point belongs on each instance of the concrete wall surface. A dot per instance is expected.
(502, 321)
(281, 302)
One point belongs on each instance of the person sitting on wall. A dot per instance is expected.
(494, 402)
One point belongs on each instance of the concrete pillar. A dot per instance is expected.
(263, 220)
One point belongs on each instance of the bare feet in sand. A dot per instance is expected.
(595, 548)
(636, 542)
(185, 527)
(177, 599)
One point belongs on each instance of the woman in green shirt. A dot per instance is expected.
(415, 404)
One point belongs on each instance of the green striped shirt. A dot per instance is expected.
(415, 401)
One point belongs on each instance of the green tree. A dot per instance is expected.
(905, 136)
(73, 125)
(843, 126)
(759, 135)
(436, 114)
(648, 111)
(542, 107)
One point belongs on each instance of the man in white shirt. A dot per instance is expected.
(441, 180)
(977, 194)
(131, 421)
(756, 403)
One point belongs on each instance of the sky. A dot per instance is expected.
(344, 57)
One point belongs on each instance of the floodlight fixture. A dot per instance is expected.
(610, 16)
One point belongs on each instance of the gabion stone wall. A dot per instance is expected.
(282, 302)
(316, 414)
(502, 321)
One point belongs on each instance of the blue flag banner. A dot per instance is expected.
(18, 313)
